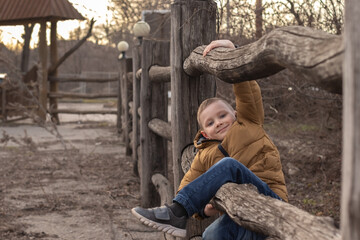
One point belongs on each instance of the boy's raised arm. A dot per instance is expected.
(218, 43)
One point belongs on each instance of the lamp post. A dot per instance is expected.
(141, 29)
(122, 47)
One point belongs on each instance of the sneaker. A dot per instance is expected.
(163, 219)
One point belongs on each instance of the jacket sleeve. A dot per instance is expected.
(194, 172)
(249, 104)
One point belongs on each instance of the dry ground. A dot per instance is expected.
(84, 190)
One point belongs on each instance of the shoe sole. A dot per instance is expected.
(174, 231)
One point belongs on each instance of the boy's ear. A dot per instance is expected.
(204, 134)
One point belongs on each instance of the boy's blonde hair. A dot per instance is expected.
(206, 103)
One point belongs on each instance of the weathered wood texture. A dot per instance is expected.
(161, 128)
(53, 59)
(78, 79)
(350, 202)
(159, 21)
(153, 104)
(157, 74)
(193, 23)
(266, 215)
(126, 123)
(81, 111)
(136, 64)
(272, 217)
(164, 188)
(80, 95)
(43, 83)
(313, 54)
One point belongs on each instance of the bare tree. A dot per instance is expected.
(327, 15)
(126, 13)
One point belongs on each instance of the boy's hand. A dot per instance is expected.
(218, 43)
(210, 210)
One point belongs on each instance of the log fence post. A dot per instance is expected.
(53, 104)
(136, 65)
(153, 104)
(193, 23)
(43, 83)
(350, 201)
(124, 82)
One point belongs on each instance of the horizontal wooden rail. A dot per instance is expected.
(157, 74)
(161, 128)
(129, 76)
(315, 55)
(75, 111)
(272, 217)
(269, 216)
(78, 79)
(80, 95)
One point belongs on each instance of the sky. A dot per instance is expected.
(88, 8)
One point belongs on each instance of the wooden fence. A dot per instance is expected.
(15, 100)
(188, 90)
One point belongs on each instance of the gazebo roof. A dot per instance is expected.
(20, 12)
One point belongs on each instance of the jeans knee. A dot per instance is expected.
(210, 233)
(228, 162)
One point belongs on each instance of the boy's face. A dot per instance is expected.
(216, 120)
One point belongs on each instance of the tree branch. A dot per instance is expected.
(53, 68)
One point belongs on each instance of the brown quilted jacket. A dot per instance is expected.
(246, 141)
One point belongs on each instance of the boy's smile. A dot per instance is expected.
(216, 120)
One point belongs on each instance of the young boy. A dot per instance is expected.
(233, 147)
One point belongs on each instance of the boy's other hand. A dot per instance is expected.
(218, 43)
(210, 210)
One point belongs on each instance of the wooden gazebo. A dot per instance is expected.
(23, 12)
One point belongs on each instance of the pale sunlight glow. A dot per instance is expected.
(97, 9)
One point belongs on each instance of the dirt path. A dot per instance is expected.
(77, 187)
(75, 182)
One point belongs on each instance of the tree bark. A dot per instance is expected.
(161, 128)
(164, 187)
(136, 64)
(313, 54)
(154, 104)
(124, 102)
(270, 216)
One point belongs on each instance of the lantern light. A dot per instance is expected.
(122, 47)
(141, 29)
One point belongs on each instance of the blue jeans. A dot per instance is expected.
(199, 192)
